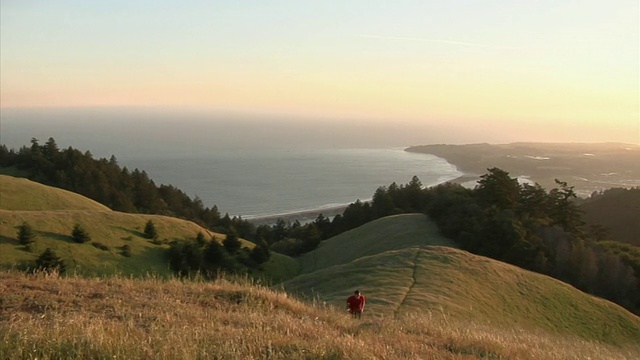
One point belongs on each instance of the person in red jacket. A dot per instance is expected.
(355, 304)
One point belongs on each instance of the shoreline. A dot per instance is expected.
(307, 216)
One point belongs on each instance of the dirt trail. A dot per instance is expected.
(413, 283)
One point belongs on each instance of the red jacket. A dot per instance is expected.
(356, 303)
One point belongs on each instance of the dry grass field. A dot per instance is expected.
(48, 317)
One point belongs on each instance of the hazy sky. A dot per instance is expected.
(537, 70)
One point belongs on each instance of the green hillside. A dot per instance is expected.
(53, 212)
(389, 233)
(22, 194)
(455, 284)
(393, 262)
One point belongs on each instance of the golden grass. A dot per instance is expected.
(47, 317)
(22, 194)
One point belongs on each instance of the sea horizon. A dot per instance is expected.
(247, 168)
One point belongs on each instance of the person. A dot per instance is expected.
(355, 304)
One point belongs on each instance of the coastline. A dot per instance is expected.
(307, 216)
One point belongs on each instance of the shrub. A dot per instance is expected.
(48, 261)
(80, 235)
(150, 230)
(125, 250)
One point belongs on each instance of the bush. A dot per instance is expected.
(80, 235)
(150, 231)
(48, 261)
(125, 250)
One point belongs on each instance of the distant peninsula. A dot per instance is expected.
(588, 167)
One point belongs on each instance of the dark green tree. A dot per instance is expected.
(79, 234)
(26, 235)
(498, 189)
(150, 230)
(382, 203)
(563, 209)
(200, 240)
(231, 243)
(214, 253)
(48, 261)
(260, 253)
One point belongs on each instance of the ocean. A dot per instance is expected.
(246, 167)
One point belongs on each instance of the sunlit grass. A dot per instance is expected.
(22, 194)
(47, 317)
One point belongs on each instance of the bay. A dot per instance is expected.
(265, 183)
(250, 167)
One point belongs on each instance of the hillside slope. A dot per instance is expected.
(53, 212)
(385, 234)
(451, 283)
(47, 317)
(23, 194)
(109, 228)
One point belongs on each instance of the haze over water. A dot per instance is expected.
(246, 167)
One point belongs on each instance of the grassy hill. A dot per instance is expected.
(389, 233)
(22, 194)
(426, 298)
(53, 212)
(391, 261)
(453, 284)
(47, 317)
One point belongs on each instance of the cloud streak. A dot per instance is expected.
(438, 41)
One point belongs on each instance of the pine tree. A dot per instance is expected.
(80, 235)
(260, 253)
(150, 230)
(231, 243)
(26, 235)
(48, 261)
(200, 240)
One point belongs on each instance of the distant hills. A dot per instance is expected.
(586, 166)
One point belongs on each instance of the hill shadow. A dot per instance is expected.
(8, 240)
(132, 232)
(56, 236)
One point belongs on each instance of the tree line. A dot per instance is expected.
(117, 187)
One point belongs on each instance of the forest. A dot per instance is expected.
(525, 225)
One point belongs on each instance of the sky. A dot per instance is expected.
(544, 70)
